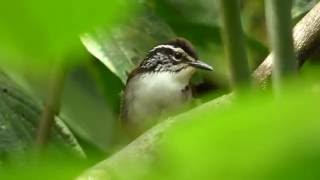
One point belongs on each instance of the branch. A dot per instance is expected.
(306, 38)
(143, 149)
(51, 108)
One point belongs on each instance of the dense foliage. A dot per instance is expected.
(96, 43)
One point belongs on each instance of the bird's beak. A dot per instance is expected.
(201, 65)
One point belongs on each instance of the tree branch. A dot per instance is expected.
(306, 38)
(143, 149)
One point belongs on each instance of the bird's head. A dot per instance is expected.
(173, 56)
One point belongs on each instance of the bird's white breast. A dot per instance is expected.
(152, 94)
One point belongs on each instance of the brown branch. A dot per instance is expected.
(143, 149)
(52, 107)
(306, 37)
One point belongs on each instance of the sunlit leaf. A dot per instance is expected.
(258, 137)
(37, 32)
(127, 45)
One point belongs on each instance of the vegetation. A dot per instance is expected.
(64, 64)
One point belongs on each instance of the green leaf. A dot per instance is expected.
(257, 137)
(38, 32)
(19, 117)
(127, 45)
(301, 7)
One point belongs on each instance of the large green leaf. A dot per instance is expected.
(34, 33)
(126, 45)
(19, 118)
(88, 111)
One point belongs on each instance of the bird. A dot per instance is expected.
(159, 85)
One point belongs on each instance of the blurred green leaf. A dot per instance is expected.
(256, 138)
(89, 104)
(300, 7)
(37, 32)
(19, 117)
(53, 166)
(195, 11)
(87, 111)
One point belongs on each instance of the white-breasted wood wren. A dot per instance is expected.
(159, 85)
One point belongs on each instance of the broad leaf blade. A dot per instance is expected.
(127, 45)
(19, 117)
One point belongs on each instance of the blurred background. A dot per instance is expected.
(95, 44)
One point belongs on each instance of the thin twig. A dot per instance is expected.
(52, 106)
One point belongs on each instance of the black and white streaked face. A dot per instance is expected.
(173, 56)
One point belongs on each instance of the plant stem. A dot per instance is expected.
(52, 107)
(234, 44)
(278, 16)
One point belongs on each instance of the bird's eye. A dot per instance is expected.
(177, 55)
